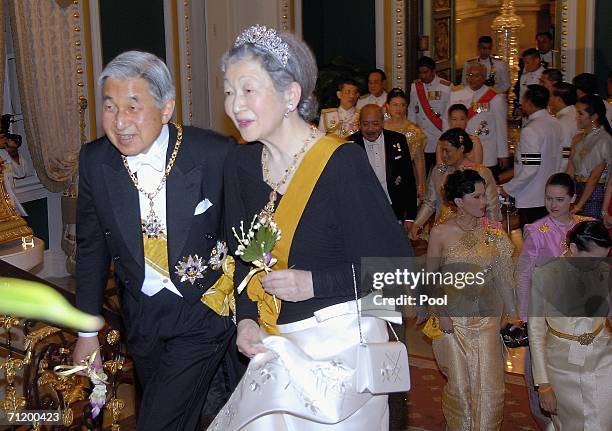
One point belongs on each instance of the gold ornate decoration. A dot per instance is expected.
(113, 337)
(507, 28)
(115, 405)
(12, 226)
(285, 17)
(32, 339)
(188, 63)
(398, 50)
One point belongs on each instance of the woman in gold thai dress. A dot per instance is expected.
(397, 107)
(455, 143)
(570, 344)
(469, 350)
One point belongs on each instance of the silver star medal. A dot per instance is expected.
(191, 268)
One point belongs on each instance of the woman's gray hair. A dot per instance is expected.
(301, 68)
(138, 64)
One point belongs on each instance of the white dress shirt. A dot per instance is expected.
(371, 99)
(149, 168)
(376, 155)
(567, 121)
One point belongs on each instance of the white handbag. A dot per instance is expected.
(382, 368)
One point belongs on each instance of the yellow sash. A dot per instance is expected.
(287, 216)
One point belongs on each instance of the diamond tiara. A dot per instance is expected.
(266, 39)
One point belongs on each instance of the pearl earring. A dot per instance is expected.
(289, 109)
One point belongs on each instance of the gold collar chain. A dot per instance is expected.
(152, 225)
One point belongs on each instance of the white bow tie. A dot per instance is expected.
(154, 160)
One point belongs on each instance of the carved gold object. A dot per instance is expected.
(10, 367)
(8, 322)
(12, 402)
(34, 338)
(112, 367)
(12, 226)
(115, 405)
(113, 337)
(68, 417)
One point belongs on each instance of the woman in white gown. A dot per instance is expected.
(329, 205)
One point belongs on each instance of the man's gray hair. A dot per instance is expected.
(481, 66)
(301, 68)
(138, 64)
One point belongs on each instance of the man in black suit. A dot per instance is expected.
(150, 200)
(389, 156)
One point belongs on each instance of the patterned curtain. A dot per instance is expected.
(44, 43)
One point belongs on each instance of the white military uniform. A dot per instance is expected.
(549, 58)
(339, 121)
(496, 69)
(529, 78)
(11, 170)
(536, 158)
(567, 121)
(369, 98)
(438, 95)
(490, 123)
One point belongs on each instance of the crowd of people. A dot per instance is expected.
(272, 234)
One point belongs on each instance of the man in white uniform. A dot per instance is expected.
(487, 117)
(11, 169)
(561, 104)
(497, 70)
(376, 87)
(532, 70)
(536, 158)
(429, 100)
(343, 120)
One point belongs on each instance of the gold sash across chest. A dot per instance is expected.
(287, 216)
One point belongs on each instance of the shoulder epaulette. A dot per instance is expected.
(445, 82)
(326, 110)
(364, 96)
(457, 87)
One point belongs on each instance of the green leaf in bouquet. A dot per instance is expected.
(266, 238)
(252, 252)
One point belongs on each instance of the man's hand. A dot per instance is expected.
(84, 347)
(414, 231)
(548, 399)
(408, 226)
(289, 284)
(504, 163)
(446, 325)
(249, 338)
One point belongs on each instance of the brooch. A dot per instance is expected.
(544, 228)
(483, 129)
(191, 268)
(217, 256)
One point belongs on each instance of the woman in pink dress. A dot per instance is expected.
(543, 241)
